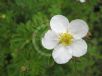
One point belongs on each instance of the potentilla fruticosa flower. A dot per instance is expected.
(66, 38)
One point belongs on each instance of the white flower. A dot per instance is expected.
(82, 1)
(66, 38)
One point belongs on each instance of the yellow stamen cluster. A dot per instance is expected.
(65, 39)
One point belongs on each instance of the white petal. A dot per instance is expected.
(79, 48)
(50, 40)
(59, 23)
(82, 1)
(61, 55)
(78, 28)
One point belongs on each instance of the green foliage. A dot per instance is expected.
(23, 24)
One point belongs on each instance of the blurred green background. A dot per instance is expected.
(24, 22)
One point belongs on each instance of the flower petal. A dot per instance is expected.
(78, 28)
(61, 55)
(82, 1)
(79, 48)
(59, 23)
(50, 40)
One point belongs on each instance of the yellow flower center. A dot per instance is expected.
(65, 39)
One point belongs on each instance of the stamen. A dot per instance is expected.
(65, 39)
